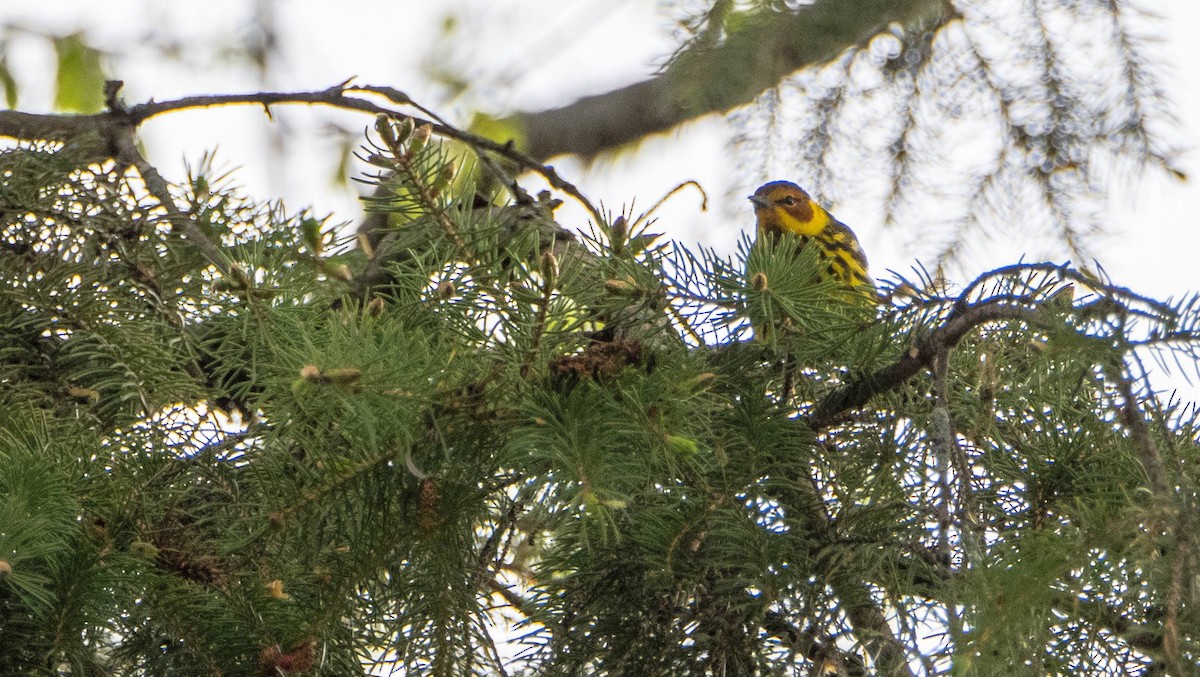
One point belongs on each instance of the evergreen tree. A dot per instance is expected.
(471, 441)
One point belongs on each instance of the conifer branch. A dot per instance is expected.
(966, 315)
(1139, 430)
(864, 614)
(426, 195)
(1132, 417)
(835, 536)
(820, 650)
(920, 356)
(128, 153)
(86, 129)
(1182, 554)
(332, 484)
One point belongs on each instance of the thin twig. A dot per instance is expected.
(1183, 550)
(951, 461)
(694, 184)
(336, 97)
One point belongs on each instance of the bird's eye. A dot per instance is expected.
(789, 201)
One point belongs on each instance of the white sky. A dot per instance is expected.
(536, 53)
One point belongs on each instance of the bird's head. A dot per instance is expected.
(783, 206)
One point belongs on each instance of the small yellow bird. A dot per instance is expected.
(782, 206)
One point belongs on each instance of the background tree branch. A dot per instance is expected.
(726, 68)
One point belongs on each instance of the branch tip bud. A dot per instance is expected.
(549, 264)
(420, 137)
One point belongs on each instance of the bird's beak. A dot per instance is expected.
(759, 201)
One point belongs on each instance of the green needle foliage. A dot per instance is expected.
(477, 444)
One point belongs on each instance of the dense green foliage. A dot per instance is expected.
(639, 455)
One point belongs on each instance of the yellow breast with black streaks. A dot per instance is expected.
(783, 207)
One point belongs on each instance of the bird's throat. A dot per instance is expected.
(812, 226)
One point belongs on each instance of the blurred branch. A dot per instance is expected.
(706, 78)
